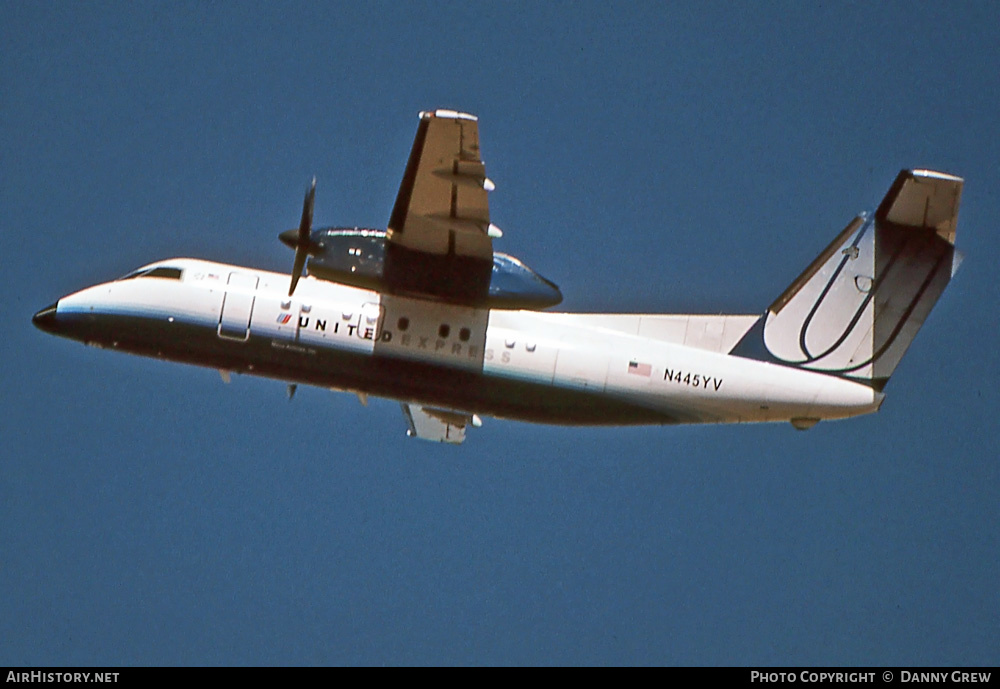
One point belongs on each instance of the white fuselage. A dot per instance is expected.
(529, 365)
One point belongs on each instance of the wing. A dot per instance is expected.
(438, 425)
(440, 237)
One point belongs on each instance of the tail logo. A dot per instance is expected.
(857, 308)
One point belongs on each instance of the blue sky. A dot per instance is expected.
(648, 157)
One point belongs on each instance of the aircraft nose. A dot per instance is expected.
(46, 318)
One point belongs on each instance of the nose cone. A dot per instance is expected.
(289, 238)
(46, 319)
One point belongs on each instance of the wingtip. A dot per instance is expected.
(447, 114)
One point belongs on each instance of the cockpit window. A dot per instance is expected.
(133, 274)
(163, 272)
(159, 272)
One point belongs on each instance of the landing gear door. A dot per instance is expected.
(237, 306)
(370, 324)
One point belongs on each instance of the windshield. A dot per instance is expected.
(157, 272)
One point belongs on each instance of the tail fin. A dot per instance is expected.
(857, 307)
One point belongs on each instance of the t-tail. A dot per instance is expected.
(855, 310)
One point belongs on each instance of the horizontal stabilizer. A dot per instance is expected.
(924, 199)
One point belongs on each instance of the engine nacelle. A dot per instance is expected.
(359, 257)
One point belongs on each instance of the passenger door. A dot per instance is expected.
(237, 307)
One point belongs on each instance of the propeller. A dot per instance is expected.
(300, 240)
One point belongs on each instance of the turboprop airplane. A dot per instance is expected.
(426, 313)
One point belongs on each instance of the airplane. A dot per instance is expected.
(426, 313)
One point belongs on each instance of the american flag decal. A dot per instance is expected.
(638, 369)
(283, 319)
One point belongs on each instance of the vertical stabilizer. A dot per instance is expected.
(858, 306)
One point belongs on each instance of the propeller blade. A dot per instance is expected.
(300, 263)
(303, 241)
(307, 213)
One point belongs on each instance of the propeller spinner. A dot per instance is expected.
(300, 240)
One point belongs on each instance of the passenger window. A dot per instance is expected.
(444, 330)
(464, 334)
(403, 323)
